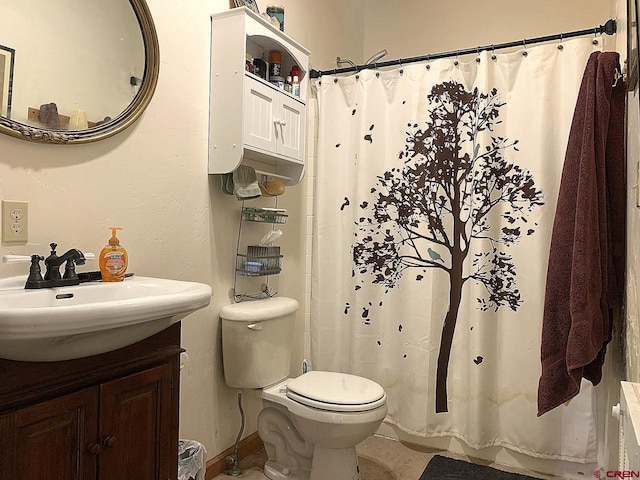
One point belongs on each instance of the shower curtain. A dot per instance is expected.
(436, 187)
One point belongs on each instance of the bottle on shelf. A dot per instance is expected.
(295, 86)
(295, 70)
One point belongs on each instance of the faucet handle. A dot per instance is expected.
(16, 258)
(70, 270)
(35, 279)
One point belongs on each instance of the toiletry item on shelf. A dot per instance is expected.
(295, 86)
(277, 82)
(287, 85)
(276, 12)
(78, 120)
(249, 67)
(295, 70)
(275, 64)
(260, 68)
(113, 259)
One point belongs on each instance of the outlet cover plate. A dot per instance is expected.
(15, 221)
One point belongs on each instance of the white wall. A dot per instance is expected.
(420, 27)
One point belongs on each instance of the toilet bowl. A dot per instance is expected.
(310, 425)
(330, 412)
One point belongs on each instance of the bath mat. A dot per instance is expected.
(444, 468)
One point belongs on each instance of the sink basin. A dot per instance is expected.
(63, 323)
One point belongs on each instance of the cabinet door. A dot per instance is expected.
(291, 123)
(138, 429)
(259, 126)
(51, 440)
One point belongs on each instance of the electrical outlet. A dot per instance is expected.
(15, 222)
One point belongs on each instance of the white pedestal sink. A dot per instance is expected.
(64, 323)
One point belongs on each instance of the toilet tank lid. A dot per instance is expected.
(257, 310)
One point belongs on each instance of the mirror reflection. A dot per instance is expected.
(69, 64)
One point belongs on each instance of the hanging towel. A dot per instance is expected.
(245, 183)
(586, 259)
(226, 182)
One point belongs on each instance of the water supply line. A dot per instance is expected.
(232, 460)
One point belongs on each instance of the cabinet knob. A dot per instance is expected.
(109, 441)
(283, 123)
(93, 449)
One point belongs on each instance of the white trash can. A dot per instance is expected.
(190, 460)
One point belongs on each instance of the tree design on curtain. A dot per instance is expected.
(453, 188)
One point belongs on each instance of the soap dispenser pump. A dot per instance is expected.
(113, 259)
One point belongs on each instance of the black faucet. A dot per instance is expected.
(52, 276)
(53, 262)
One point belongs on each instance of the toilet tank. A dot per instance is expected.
(256, 341)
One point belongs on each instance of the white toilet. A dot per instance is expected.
(311, 424)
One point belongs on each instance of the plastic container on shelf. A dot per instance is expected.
(277, 12)
(275, 64)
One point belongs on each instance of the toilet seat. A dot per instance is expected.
(336, 392)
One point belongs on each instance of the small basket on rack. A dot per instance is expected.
(267, 215)
(259, 261)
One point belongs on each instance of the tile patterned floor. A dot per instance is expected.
(380, 458)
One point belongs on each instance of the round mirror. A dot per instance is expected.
(73, 71)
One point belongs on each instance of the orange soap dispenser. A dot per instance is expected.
(113, 259)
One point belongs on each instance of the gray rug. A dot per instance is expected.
(444, 468)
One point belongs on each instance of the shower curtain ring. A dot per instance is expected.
(493, 52)
(428, 60)
(560, 46)
(401, 66)
(478, 54)
(595, 36)
(524, 44)
(455, 62)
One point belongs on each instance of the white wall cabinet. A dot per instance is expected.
(273, 123)
(252, 121)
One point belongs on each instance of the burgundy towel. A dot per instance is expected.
(586, 260)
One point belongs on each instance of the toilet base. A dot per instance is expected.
(334, 463)
(274, 471)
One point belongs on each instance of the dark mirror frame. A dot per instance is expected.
(124, 119)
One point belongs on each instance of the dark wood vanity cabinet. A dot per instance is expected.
(108, 417)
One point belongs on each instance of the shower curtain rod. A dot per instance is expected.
(609, 28)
